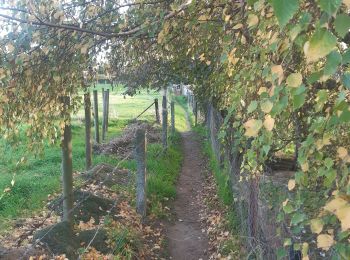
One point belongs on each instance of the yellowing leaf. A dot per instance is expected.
(304, 251)
(238, 26)
(10, 47)
(347, 3)
(84, 49)
(343, 214)
(269, 123)
(262, 90)
(321, 43)
(291, 184)
(277, 70)
(294, 80)
(305, 167)
(341, 208)
(252, 20)
(316, 225)
(342, 153)
(266, 106)
(252, 127)
(325, 241)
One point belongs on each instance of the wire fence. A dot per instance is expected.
(84, 184)
(59, 201)
(257, 219)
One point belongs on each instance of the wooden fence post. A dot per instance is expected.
(97, 127)
(172, 111)
(195, 113)
(164, 123)
(107, 109)
(67, 167)
(156, 106)
(88, 147)
(140, 157)
(104, 111)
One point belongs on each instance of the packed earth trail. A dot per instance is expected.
(186, 240)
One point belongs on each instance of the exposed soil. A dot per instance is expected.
(122, 145)
(185, 237)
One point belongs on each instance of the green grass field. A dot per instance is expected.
(39, 176)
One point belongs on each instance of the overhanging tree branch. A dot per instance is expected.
(93, 32)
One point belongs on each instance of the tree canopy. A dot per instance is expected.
(277, 69)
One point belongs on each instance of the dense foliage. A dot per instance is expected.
(277, 69)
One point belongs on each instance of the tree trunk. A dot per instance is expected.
(67, 167)
(140, 157)
(164, 124)
(97, 127)
(88, 146)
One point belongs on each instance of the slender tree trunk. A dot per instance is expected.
(165, 123)
(88, 145)
(140, 157)
(156, 106)
(97, 127)
(67, 167)
(172, 111)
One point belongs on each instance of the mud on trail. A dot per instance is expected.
(186, 241)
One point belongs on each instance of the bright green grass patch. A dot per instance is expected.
(126, 107)
(162, 172)
(39, 176)
(182, 102)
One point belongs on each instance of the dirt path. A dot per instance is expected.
(186, 240)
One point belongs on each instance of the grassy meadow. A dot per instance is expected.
(39, 176)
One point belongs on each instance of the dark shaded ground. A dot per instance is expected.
(185, 237)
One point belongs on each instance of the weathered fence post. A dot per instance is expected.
(195, 113)
(156, 106)
(172, 111)
(88, 147)
(164, 123)
(67, 166)
(140, 157)
(97, 127)
(107, 109)
(104, 111)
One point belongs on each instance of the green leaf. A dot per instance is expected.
(321, 44)
(288, 208)
(346, 57)
(297, 218)
(342, 24)
(328, 162)
(345, 116)
(281, 253)
(322, 97)
(284, 10)
(329, 6)
(333, 61)
(346, 80)
(314, 77)
(298, 100)
(252, 106)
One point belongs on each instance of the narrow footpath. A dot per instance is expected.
(185, 237)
